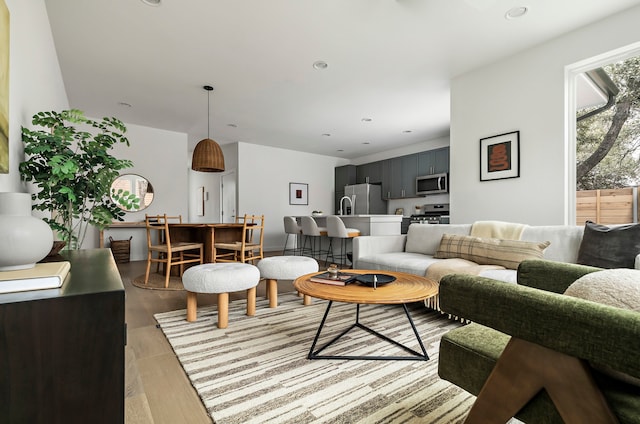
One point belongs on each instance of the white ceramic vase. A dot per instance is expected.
(24, 238)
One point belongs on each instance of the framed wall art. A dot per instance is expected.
(298, 194)
(201, 200)
(500, 156)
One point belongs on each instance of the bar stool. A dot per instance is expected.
(337, 230)
(313, 234)
(291, 228)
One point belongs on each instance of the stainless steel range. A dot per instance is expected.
(437, 213)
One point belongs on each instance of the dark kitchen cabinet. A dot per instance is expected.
(409, 173)
(62, 350)
(390, 178)
(369, 173)
(399, 176)
(433, 161)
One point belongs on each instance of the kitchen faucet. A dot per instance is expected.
(341, 203)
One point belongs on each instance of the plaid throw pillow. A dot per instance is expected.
(488, 251)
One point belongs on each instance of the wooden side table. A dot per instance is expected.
(407, 288)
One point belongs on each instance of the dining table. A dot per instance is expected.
(205, 233)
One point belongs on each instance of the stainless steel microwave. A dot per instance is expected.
(432, 184)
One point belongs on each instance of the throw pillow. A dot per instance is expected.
(613, 287)
(489, 251)
(609, 247)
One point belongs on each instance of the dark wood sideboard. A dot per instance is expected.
(62, 350)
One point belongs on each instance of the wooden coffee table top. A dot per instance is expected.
(406, 288)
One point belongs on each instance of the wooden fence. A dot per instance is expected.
(615, 206)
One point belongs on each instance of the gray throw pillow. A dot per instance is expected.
(609, 247)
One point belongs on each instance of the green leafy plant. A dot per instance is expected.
(70, 164)
(125, 199)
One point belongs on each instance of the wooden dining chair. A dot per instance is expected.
(161, 250)
(249, 248)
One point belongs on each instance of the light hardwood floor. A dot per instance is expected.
(157, 389)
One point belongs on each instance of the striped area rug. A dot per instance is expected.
(257, 371)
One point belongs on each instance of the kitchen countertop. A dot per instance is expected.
(374, 225)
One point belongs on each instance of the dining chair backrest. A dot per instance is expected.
(291, 226)
(309, 226)
(157, 230)
(250, 246)
(253, 224)
(163, 251)
(177, 219)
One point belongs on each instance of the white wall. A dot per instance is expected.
(211, 183)
(161, 157)
(35, 80)
(264, 174)
(524, 92)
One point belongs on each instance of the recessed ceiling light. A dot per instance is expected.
(339, 150)
(125, 104)
(516, 12)
(320, 65)
(367, 142)
(326, 135)
(232, 125)
(366, 119)
(154, 3)
(407, 131)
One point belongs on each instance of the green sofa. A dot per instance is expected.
(536, 312)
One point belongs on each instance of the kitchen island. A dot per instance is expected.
(369, 225)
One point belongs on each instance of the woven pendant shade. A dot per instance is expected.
(207, 157)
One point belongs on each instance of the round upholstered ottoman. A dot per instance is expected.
(222, 279)
(284, 268)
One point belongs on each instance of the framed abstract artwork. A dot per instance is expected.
(500, 156)
(298, 194)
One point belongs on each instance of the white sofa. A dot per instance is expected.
(413, 252)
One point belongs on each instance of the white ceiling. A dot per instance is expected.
(388, 60)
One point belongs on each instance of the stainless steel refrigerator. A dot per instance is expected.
(366, 199)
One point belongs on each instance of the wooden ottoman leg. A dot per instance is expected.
(192, 306)
(307, 300)
(251, 301)
(223, 310)
(272, 292)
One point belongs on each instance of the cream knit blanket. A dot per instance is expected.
(497, 229)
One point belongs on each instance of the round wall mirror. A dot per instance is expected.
(131, 192)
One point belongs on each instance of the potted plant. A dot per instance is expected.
(71, 165)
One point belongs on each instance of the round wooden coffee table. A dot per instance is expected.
(406, 288)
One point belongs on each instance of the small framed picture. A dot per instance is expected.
(500, 156)
(399, 211)
(298, 194)
(200, 208)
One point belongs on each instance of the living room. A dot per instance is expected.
(525, 91)
(538, 73)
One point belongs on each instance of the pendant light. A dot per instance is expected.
(207, 156)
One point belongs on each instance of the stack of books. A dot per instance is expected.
(342, 279)
(47, 275)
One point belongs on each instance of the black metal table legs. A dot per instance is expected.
(415, 356)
